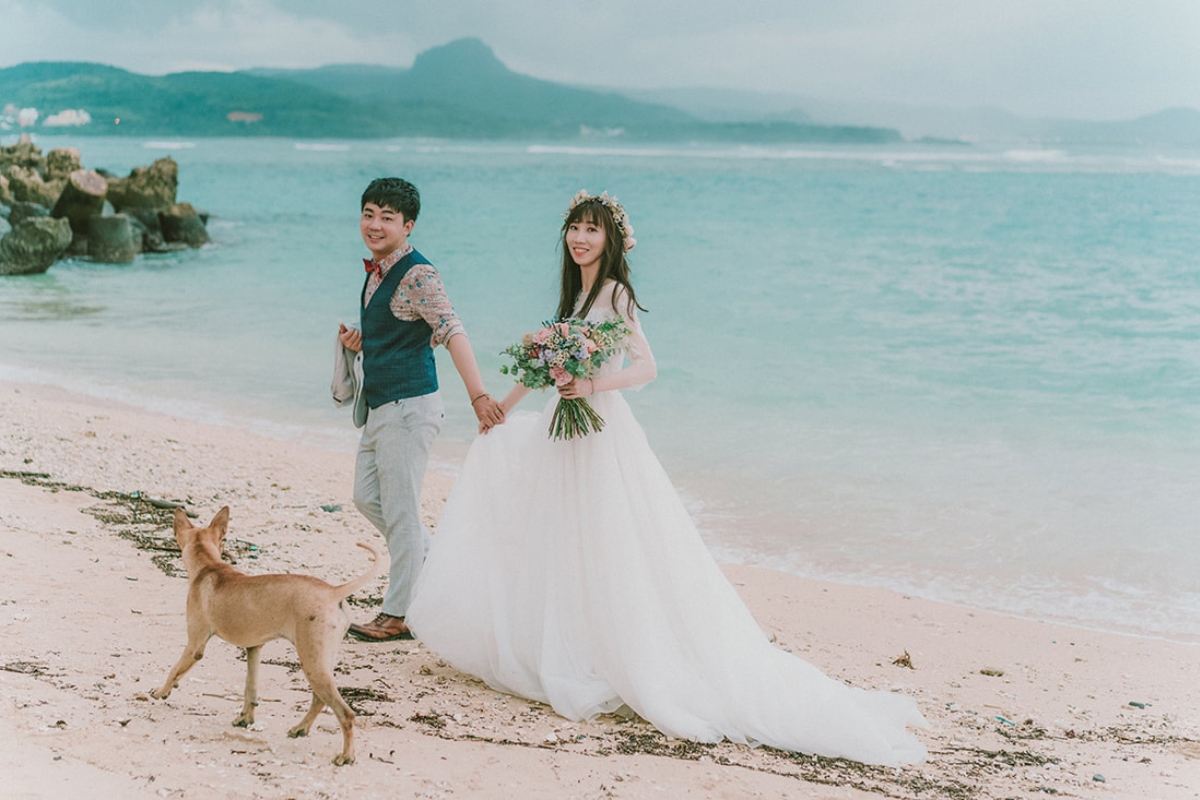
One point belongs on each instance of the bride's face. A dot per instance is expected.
(585, 239)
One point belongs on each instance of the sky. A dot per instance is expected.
(1079, 59)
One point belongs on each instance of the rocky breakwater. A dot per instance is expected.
(52, 208)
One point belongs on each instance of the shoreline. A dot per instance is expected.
(89, 622)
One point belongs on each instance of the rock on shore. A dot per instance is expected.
(52, 208)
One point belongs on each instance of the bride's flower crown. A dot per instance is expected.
(618, 212)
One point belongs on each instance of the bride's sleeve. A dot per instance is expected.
(641, 369)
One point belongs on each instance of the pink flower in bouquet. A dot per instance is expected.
(556, 354)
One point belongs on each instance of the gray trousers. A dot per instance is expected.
(388, 475)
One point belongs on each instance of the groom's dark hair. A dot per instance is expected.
(396, 194)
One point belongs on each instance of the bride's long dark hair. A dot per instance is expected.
(613, 265)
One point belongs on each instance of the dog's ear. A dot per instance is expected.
(182, 523)
(220, 526)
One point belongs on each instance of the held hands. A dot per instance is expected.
(488, 411)
(491, 413)
(577, 388)
(350, 338)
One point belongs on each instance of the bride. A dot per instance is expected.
(569, 572)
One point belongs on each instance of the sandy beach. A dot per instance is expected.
(92, 617)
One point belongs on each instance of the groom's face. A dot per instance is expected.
(383, 229)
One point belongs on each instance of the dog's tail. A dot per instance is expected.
(350, 587)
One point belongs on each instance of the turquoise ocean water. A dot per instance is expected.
(967, 374)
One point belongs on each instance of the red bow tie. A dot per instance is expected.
(373, 266)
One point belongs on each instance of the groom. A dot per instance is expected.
(405, 314)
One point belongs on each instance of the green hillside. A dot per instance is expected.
(459, 90)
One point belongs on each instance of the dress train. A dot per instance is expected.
(569, 572)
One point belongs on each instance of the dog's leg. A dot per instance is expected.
(325, 693)
(191, 654)
(251, 694)
(345, 718)
(320, 649)
(314, 710)
(312, 656)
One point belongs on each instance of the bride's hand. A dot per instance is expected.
(498, 418)
(577, 388)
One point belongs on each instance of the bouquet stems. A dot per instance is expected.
(574, 417)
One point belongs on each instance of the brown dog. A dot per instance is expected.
(250, 610)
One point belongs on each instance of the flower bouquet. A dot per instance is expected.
(558, 352)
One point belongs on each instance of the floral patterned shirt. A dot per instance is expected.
(420, 295)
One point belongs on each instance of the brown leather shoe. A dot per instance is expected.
(384, 628)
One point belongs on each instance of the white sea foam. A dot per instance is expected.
(1039, 156)
(322, 147)
(168, 145)
(923, 158)
(115, 391)
(1183, 164)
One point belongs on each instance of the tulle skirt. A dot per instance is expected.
(569, 572)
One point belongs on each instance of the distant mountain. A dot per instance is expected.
(1170, 128)
(728, 105)
(458, 90)
(464, 78)
(186, 103)
(1179, 127)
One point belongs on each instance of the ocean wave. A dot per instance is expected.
(332, 438)
(164, 145)
(627, 152)
(322, 147)
(1190, 164)
(1040, 156)
(916, 159)
(890, 158)
(1085, 602)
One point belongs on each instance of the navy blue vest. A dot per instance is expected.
(397, 356)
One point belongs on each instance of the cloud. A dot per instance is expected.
(254, 33)
(219, 35)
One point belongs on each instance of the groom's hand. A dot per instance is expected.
(349, 337)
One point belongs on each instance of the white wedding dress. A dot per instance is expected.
(569, 572)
